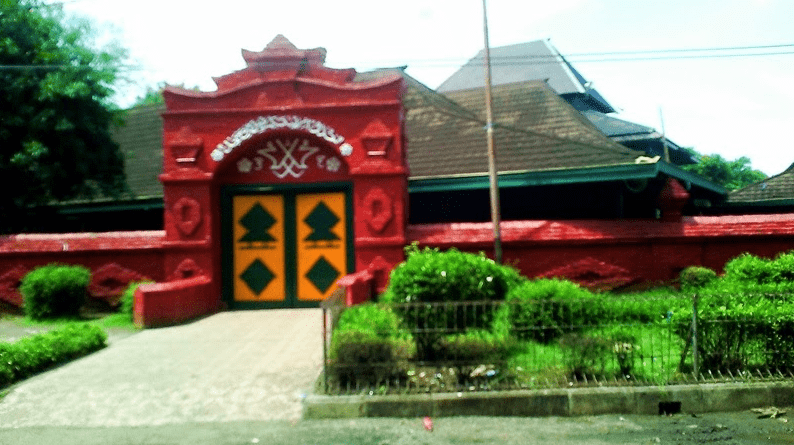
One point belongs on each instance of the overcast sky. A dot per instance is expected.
(734, 106)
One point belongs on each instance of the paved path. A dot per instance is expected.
(232, 366)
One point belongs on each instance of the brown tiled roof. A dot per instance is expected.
(141, 141)
(534, 130)
(775, 188)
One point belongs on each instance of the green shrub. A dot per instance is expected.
(694, 278)
(128, 298)
(476, 347)
(430, 275)
(783, 266)
(7, 360)
(634, 309)
(586, 355)
(369, 345)
(750, 269)
(749, 274)
(778, 340)
(36, 353)
(381, 320)
(54, 291)
(544, 309)
(741, 331)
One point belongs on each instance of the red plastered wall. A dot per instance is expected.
(642, 251)
(113, 258)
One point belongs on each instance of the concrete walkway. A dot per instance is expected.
(232, 366)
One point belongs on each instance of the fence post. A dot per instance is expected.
(325, 350)
(695, 336)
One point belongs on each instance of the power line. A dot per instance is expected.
(128, 68)
(595, 57)
(654, 58)
(673, 50)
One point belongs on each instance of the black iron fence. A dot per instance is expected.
(603, 341)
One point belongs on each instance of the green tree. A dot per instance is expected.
(732, 175)
(55, 111)
(154, 95)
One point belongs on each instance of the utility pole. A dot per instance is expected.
(492, 172)
(665, 150)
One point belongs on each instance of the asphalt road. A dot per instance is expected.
(723, 428)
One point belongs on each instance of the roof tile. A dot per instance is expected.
(778, 187)
(535, 130)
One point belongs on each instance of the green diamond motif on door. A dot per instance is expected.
(257, 222)
(322, 274)
(257, 276)
(321, 220)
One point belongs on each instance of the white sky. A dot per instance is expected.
(738, 106)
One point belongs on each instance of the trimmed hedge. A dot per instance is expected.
(694, 278)
(751, 274)
(36, 353)
(430, 275)
(544, 309)
(54, 291)
(741, 331)
(369, 345)
(476, 347)
(746, 316)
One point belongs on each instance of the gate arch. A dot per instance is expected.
(293, 131)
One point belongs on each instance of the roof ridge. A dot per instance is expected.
(570, 111)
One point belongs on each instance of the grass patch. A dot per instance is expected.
(648, 353)
(116, 321)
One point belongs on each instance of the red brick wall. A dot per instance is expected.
(639, 251)
(114, 259)
(599, 251)
(161, 304)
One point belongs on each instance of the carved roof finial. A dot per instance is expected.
(281, 53)
(280, 43)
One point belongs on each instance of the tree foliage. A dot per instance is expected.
(732, 175)
(55, 110)
(154, 95)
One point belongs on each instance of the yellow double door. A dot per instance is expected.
(288, 249)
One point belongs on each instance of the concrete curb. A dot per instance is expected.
(713, 397)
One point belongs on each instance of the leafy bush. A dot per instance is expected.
(430, 275)
(784, 267)
(751, 274)
(585, 354)
(379, 319)
(128, 298)
(36, 353)
(544, 309)
(741, 331)
(747, 268)
(778, 340)
(694, 278)
(55, 291)
(476, 347)
(369, 345)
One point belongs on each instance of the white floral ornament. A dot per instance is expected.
(346, 149)
(265, 124)
(333, 164)
(244, 165)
